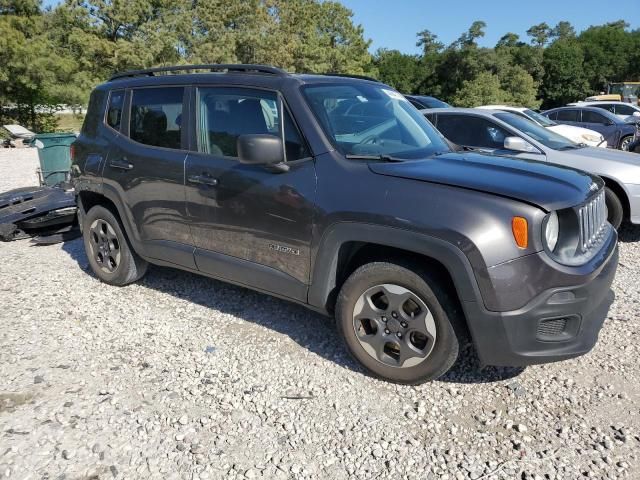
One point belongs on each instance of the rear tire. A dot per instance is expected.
(615, 211)
(110, 255)
(381, 300)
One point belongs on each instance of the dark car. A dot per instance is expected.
(262, 178)
(618, 133)
(424, 101)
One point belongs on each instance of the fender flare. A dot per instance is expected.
(326, 259)
(112, 196)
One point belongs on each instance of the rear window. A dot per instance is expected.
(156, 116)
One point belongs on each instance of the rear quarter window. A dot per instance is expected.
(94, 113)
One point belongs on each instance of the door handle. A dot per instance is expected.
(121, 164)
(203, 179)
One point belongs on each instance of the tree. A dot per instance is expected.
(564, 78)
(520, 88)
(563, 30)
(399, 70)
(429, 43)
(509, 40)
(539, 34)
(483, 90)
(475, 31)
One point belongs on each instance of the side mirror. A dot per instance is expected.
(636, 114)
(518, 144)
(261, 149)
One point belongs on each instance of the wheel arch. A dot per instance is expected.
(619, 190)
(346, 246)
(88, 199)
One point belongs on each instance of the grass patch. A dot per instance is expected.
(69, 122)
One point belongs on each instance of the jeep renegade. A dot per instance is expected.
(336, 193)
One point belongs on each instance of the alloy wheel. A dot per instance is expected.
(105, 246)
(394, 326)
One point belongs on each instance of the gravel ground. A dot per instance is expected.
(180, 376)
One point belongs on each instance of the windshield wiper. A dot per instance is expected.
(383, 157)
(573, 147)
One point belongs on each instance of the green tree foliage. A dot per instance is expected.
(57, 55)
(564, 78)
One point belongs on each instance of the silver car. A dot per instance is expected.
(504, 133)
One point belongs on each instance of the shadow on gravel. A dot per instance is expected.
(310, 330)
(629, 233)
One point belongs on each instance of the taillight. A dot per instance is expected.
(72, 152)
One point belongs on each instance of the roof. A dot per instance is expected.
(260, 75)
(502, 107)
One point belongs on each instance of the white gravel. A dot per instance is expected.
(180, 376)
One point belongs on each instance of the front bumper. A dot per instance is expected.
(557, 324)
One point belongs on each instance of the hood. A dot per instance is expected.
(549, 187)
(609, 154)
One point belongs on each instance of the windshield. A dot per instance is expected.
(372, 120)
(541, 119)
(543, 135)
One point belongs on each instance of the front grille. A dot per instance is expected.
(593, 219)
(551, 327)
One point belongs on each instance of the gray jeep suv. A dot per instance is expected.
(336, 193)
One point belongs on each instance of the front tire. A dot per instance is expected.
(615, 211)
(398, 322)
(625, 143)
(110, 255)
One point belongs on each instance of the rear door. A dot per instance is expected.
(145, 171)
(251, 224)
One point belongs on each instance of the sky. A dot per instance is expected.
(394, 24)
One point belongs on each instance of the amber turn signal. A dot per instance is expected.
(520, 230)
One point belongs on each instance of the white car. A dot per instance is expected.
(591, 138)
(623, 110)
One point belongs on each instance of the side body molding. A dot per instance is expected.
(325, 263)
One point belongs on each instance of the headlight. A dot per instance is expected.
(591, 138)
(551, 231)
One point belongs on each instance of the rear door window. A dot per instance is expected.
(156, 116)
(568, 116)
(114, 110)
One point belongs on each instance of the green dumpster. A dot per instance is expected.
(55, 156)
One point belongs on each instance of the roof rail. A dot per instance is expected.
(241, 68)
(348, 75)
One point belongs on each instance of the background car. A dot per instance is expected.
(424, 101)
(577, 134)
(511, 135)
(622, 110)
(618, 133)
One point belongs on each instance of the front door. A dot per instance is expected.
(145, 170)
(601, 124)
(251, 224)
